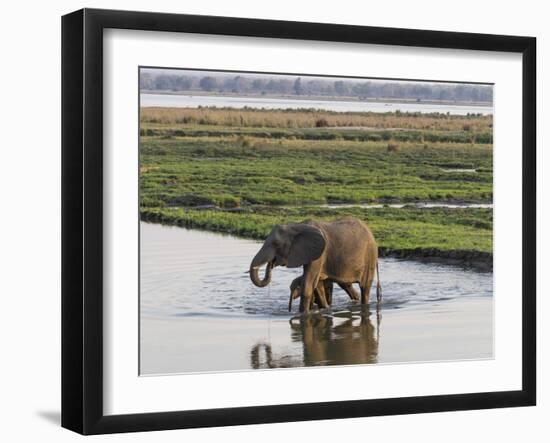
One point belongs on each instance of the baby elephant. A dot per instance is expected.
(322, 293)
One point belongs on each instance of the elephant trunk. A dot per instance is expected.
(256, 278)
(263, 256)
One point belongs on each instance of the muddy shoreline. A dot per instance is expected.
(475, 260)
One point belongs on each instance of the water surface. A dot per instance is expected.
(194, 101)
(200, 312)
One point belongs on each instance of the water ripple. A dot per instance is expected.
(194, 273)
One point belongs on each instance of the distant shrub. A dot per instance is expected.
(245, 142)
(151, 202)
(307, 118)
(190, 200)
(393, 147)
(228, 201)
(321, 123)
(148, 132)
(156, 150)
(486, 137)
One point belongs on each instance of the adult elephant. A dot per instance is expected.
(343, 251)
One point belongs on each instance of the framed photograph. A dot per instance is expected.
(269, 221)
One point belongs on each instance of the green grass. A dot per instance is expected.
(255, 177)
(350, 134)
(235, 171)
(407, 229)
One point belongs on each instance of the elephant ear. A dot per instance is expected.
(308, 245)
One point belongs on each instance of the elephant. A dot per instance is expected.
(343, 251)
(322, 293)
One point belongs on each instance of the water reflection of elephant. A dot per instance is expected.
(326, 340)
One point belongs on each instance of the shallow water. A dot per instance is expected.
(419, 205)
(200, 311)
(190, 273)
(194, 101)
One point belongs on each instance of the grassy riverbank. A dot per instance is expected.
(450, 235)
(256, 168)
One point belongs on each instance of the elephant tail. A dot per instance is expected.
(378, 285)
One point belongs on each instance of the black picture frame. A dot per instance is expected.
(82, 218)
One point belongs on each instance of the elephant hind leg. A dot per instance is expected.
(365, 293)
(365, 287)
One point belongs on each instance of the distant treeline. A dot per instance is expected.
(303, 86)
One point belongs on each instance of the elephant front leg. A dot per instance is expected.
(306, 299)
(308, 288)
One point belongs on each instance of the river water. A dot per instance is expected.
(200, 312)
(422, 205)
(194, 101)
